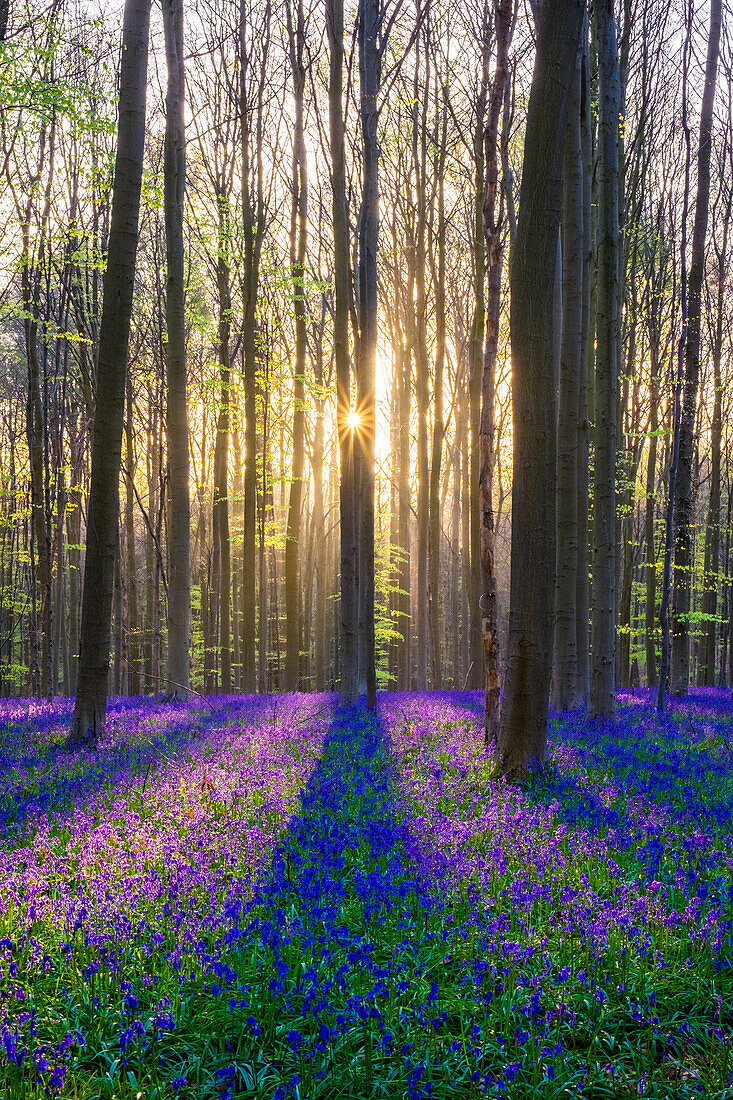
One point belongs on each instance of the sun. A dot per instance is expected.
(353, 420)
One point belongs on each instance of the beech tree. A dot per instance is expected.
(683, 495)
(103, 508)
(602, 698)
(267, 373)
(566, 679)
(179, 512)
(348, 616)
(522, 740)
(711, 565)
(372, 41)
(298, 242)
(494, 229)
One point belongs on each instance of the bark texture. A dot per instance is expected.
(493, 223)
(602, 697)
(523, 732)
(298, 241)
(179, 502)
(565, 684)
(370, 69)
(683, 499)
(348, 620)
(103, 508)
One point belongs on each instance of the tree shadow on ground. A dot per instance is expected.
(51, 780)
(342, 918)
(349, 819)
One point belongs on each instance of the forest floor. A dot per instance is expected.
(271, 897)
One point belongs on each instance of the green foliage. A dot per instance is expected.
(386, 630)
(26, 85)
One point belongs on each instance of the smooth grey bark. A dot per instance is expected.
(582, 594)
(656, 260)
(403, 521)
(522, 742)
(651, 556)
(222, 560)
(602, 694)
(725, 639)
(320, 552)
(420, 351)
(628, 455)
(103, 508)
(179, 501)
(654, 327)
(237, 497)
(41, 566)
(298, 243)
(251, 109)
(494, 228)
(472, 566)
(434, 588)
(676, 411)
(73, 537)
(370, 71)
(349, 612)
(683, 552)
(565, 682)
(133, 615)
(711, 578)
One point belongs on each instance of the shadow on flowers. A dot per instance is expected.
(337, 928)
(142, 734)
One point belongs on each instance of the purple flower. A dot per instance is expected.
(55, 1082)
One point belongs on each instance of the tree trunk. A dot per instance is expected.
(675, 404)
(133, 614)
(321, 564)
(321, 558)
(261, 505)
(298, 241)
(711, 578)
(151, 459)
(41, 617)
(493, 229)
(651, 483)
(103, 508)
(725, 641)
(582, 595)
(370, 69)
(565, 683)
(420, 351)
(628, 455)
(118, 621)
(347, 642)
(254, 214)
(683, 556)
(464, 438)
(522, 741)
(73, 535)
(236, 562)
(602, 695)
(478, 326)
(222, 544)
(179, 503)
(434, 586)
(404, 623)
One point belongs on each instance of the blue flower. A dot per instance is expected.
(295, 1039)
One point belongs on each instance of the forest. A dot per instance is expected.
(366, 578)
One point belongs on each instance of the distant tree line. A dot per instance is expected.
(408, 357)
